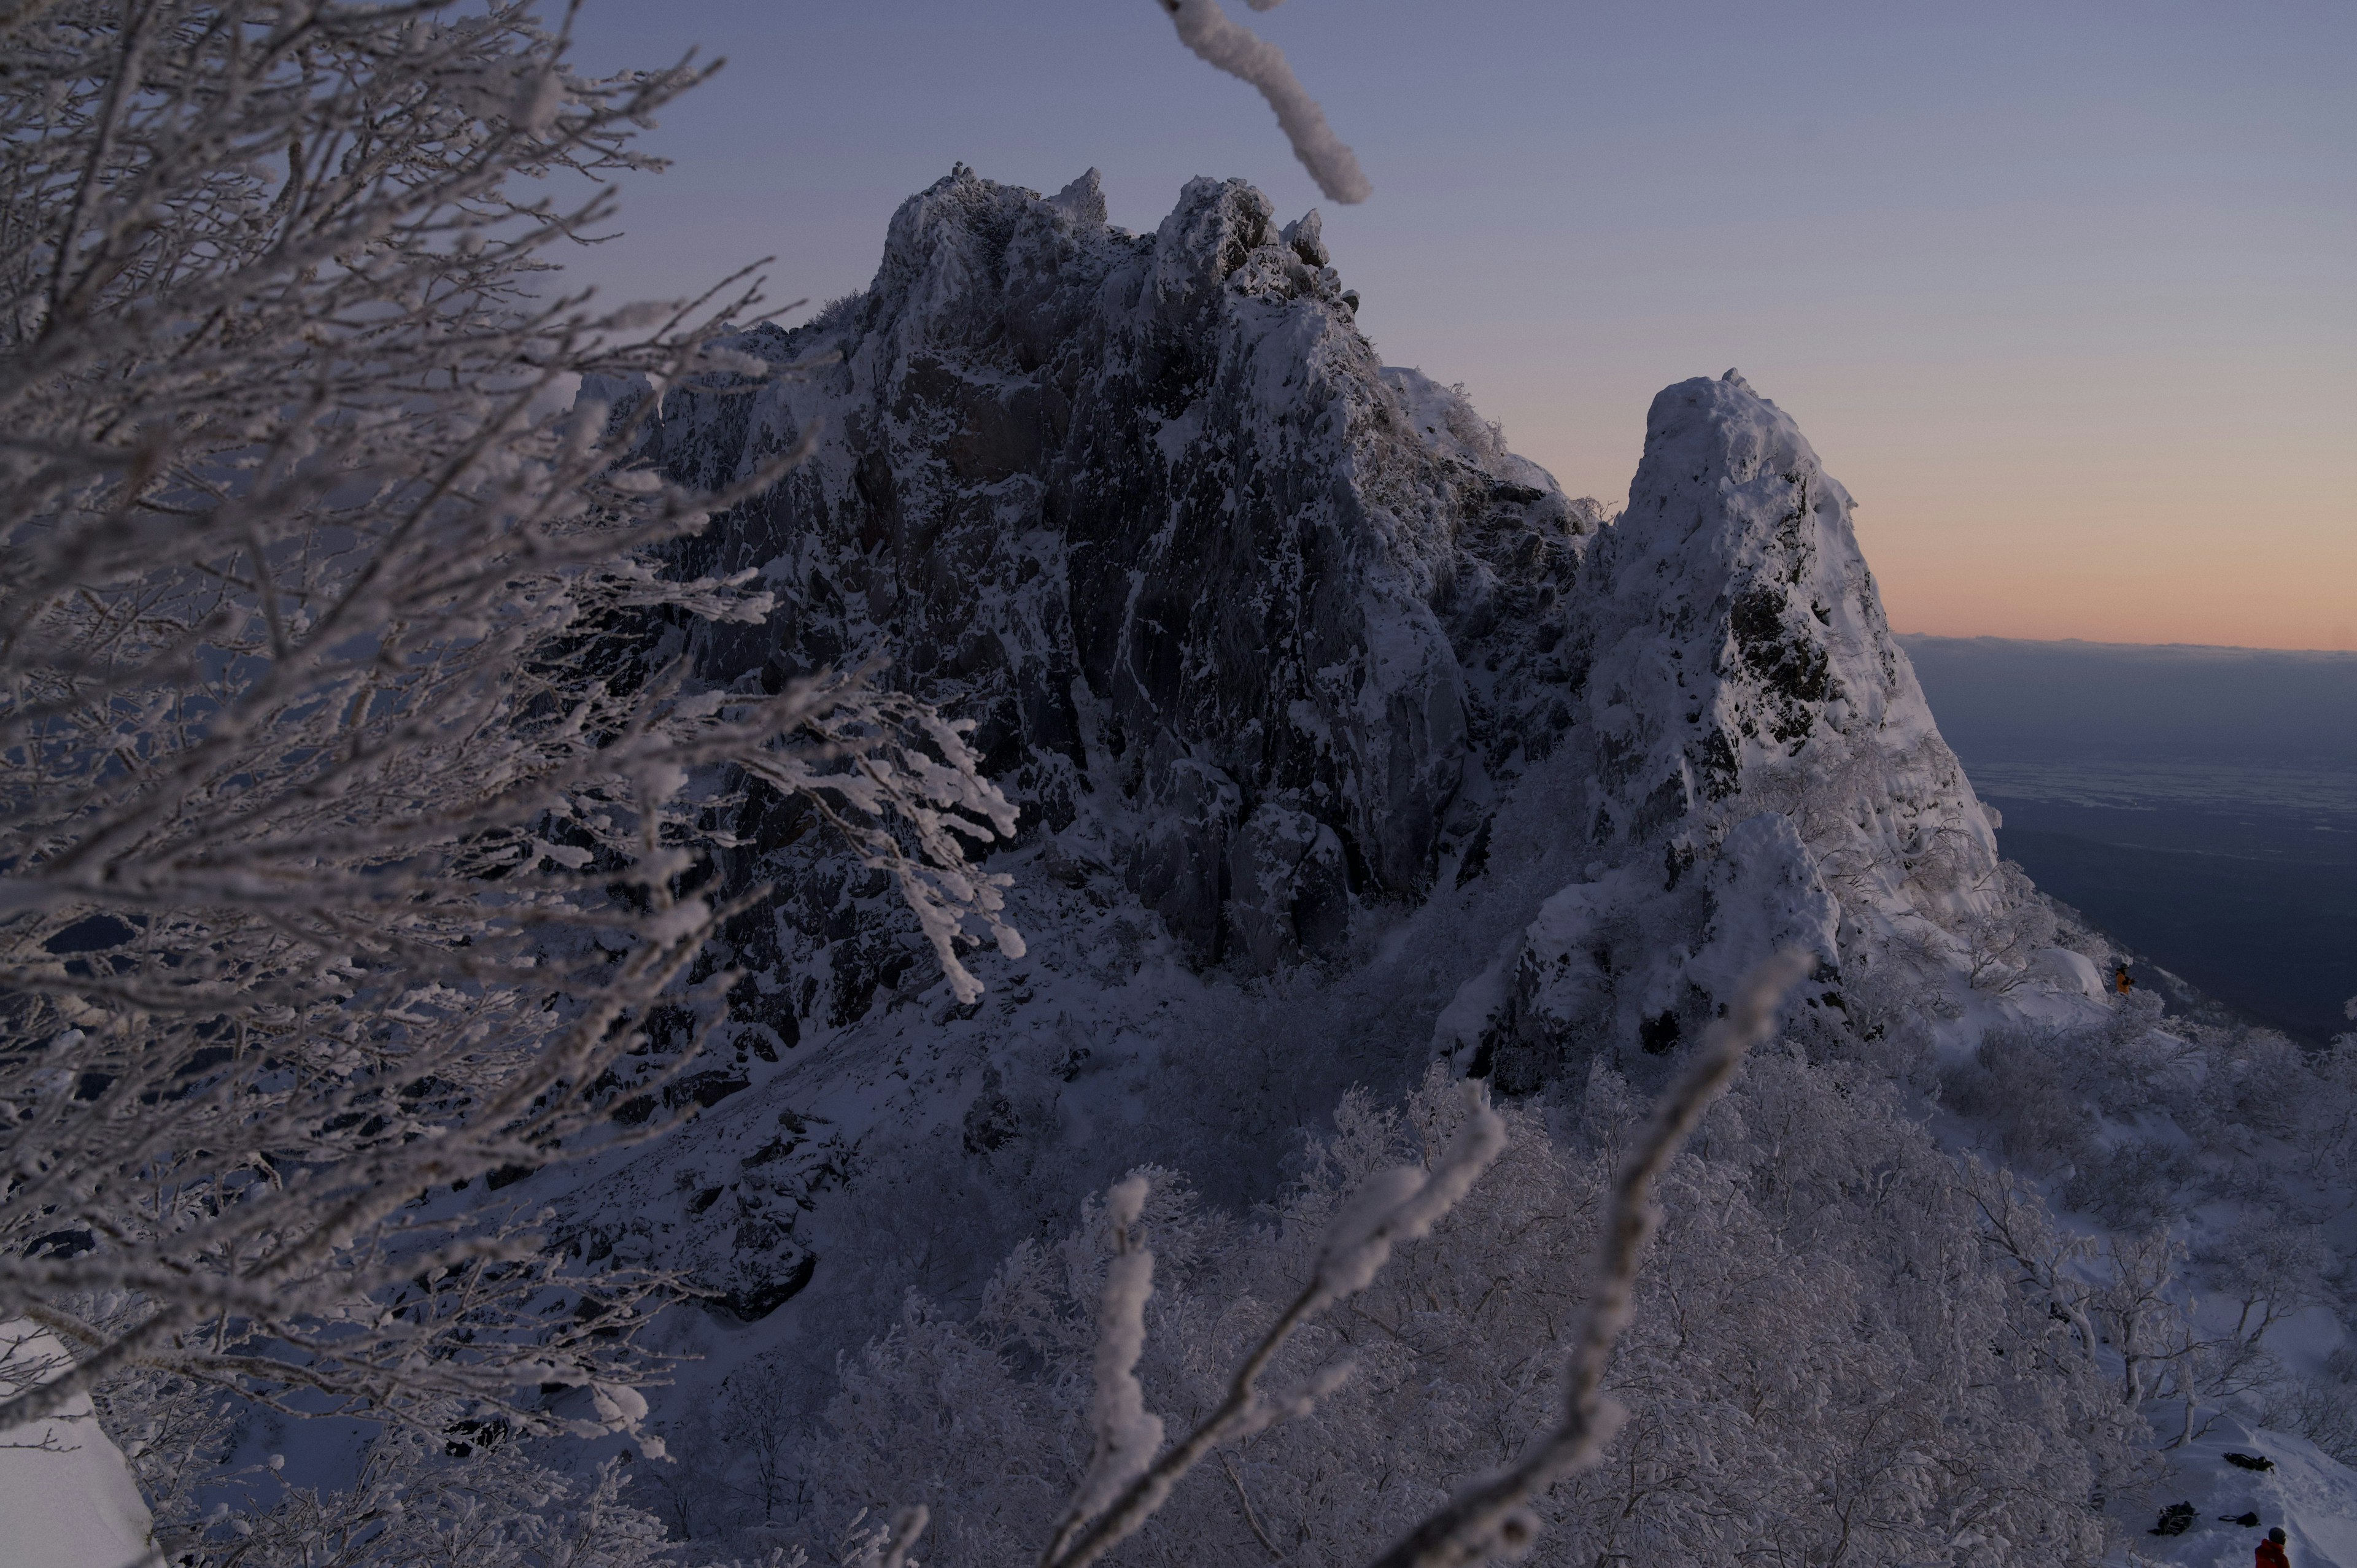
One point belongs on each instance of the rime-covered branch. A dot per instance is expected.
(1395, 1205)
(356, 801)
(1204, 27)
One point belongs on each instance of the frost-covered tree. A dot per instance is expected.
(353, 798)
(1826, 1358)
(1999, 940)
(2140, 1122)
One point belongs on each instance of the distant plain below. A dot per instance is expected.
(2199, 804)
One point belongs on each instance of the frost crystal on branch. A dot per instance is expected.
(1242, 54)
(1126, 1435)
(1395, 1205)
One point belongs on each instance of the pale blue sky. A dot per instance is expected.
(2065, 292)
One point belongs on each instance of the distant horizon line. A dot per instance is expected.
(2147, 647)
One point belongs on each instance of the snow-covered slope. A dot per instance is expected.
(67, 1499)
(2306, 1492)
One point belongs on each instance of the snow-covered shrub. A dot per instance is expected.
(2133, 1187)
(2149, 1118)
(2000, 938)
(476, 1494)
(757, 1423)
(2323, 1409)
(2026, 1085)
(2167, 1132)
(1824, 1346)
(353, 801)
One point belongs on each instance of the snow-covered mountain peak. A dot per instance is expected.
(1742, 661)
(1764, 770)
(1215, 585)
(1318, 700)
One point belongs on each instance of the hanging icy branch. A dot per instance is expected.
(1492, 1520)
(1243, 54)
(1394, 1205)
(1126, 1432)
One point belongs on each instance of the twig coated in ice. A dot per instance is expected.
(1394, 1205)
(1243, 54)
(1490, 1520)
(1126, 1435)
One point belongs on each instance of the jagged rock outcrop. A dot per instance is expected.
(1737, 659)
(1623, 966)
(1286, 658)
(1765, 770)
(1147, 508)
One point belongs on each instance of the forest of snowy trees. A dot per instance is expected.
(374, 842)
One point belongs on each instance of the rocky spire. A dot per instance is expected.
(1765, 770)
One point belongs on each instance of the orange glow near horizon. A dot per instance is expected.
(2046, 503)
(2066, 295)
(2114, 564)
(2234, 538)
(2098, 589)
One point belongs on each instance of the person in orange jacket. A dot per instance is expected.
(2271, 1550)
(2121, 981)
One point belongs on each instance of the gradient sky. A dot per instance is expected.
(2066, 293)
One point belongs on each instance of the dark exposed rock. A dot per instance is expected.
(706, 1088)
(752, 1302)
(1288, 888)
(1620, 966)
(991, 1121)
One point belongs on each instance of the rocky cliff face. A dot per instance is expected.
(1765, 770)
(1342, 736)
(1147, 508)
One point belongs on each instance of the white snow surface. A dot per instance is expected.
(1742, 657)
(1744, 699)
(67, 1499)
(2310, 1495)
